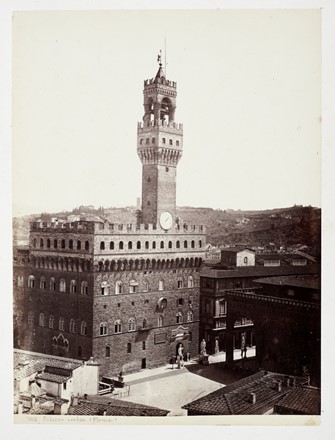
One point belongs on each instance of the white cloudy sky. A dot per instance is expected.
(249, 96)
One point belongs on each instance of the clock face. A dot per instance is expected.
(166, 220)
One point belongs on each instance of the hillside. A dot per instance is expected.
(282, 227)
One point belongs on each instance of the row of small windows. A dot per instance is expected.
(43, 322)
(133, 286)
(138, 245)
(153, 141)
(131, 326)
(62, 244)
(53, 284)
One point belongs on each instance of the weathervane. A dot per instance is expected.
(159, 58)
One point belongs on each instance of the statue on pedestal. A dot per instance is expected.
(217, 346)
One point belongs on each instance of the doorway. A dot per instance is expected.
(144, 363)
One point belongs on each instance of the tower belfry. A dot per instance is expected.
(159, 146)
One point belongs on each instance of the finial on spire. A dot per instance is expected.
(159, 58)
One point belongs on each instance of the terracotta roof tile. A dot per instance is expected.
(301, 400)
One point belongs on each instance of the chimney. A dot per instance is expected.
(278, 385)
(253, 398)
(33, 401)
(74, 400)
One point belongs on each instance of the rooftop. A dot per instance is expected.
(304, 281)
(235, 399)
(115, 407)
(304, 400)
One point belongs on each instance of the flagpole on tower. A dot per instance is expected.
(165, 56)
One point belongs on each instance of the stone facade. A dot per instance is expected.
(127, 295)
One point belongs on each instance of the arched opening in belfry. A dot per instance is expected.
(166, 111)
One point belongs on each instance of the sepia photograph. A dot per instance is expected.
(166, 215)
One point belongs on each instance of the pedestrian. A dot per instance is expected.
(245, 350)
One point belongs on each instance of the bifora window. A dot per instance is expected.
(131, 324)
(62, 285)
(61, 323)
(189, 316)
(72, 326)
(73, 286)
(83, 328)
(42, 283)
(117, 326)
(41, 320)
(31, 281)
(118, 287)
(52, 284)
(103, 329)
(179, 318)
(51, 321)
(84, 288)
(104, 288)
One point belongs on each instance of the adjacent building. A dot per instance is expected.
(126, 294)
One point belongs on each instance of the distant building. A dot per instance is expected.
(261, 393)
(126, 294)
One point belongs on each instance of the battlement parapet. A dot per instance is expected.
(153, 229)
(162, 81)
(159, 125)
(78, 226)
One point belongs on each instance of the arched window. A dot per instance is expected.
(87, 245)
(189, 316)
(170, 141)
(51, 321)
(52, 284)
(153, 140)
(178, 244)
(160, 285)
(160, 321)
(104, 288)
(129, 347)
(121, 245)
(42, 283)
(84, 288)
(179, 318)
(70, 244)
(131, 325)
(245, 260)
(108, 351)
(79, 245)
(103, 329)
(118, 287)
(163, 140)
(190, 282)
(117, 326)
(111, 245)
(30, 319)
(102, 245)
(41, 320)
(73, 286)
(179, 282)
(153, 245)
(147, 140)
(55, 243)
(200, 243)
(62, 285)
(20, 281)
(34, 242)
(83, 328)
(147, 245)
(130, 245)
(138, 245)
(141, 142)
(185, 244)
(145, 286)
(72, 325)
(177, 143)
(162, 244)
(192, 244)
(48, 243)
(63, 244)
(31, 281)
(133, 286)
(170, 244)
(61, 323)
(41, 243)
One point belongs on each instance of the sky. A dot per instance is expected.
(249, 97)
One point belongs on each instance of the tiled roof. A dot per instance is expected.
(27, 363)
(305, 281)
(116, 407)
(57, 378)
(301, 400)
(235, 398)
(236, 249)
(260, 271)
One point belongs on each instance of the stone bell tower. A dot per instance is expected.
(159, 146)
